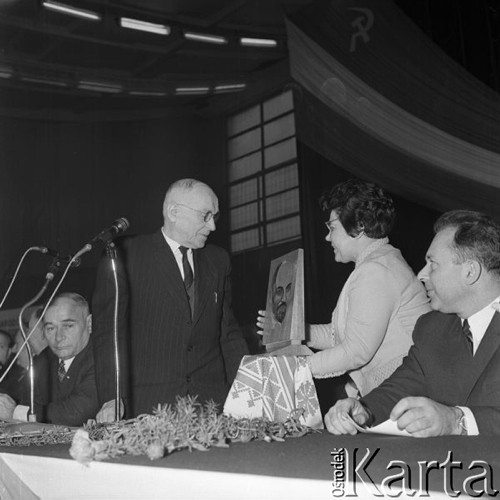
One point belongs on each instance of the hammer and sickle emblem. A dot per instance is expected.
(363, 24)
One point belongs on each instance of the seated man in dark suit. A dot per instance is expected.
(12, 381)
(65, 391)
(450, 381)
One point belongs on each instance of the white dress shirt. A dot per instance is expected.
(478, 324)
(67, 363)
(178, 254)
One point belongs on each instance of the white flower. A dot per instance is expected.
(81, 447)
(155, 451)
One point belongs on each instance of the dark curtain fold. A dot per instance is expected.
(390, 107)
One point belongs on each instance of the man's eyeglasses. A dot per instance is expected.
(207, 216)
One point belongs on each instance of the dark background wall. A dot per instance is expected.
(62, 182)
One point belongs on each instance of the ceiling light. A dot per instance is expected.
(149, 93)
(47, 81)
(191, 90)
(6, 71)
(200, 37)
(99, 86)
(72, 11)
(135, 24)
(234, 87)
(258, 42)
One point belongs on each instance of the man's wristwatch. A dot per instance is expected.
(461, 421)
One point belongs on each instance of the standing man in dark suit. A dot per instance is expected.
(450, 381)
(175, 312)
(65, 390)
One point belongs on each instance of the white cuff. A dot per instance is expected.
(21, 413)
(472, 429)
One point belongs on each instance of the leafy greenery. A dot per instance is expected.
(187, 424)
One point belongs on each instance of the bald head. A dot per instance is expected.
(180, 188)
(188, 212)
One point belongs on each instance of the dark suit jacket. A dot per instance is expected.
(14, 382)
(73, 400)
(165, 351)
(440, 366)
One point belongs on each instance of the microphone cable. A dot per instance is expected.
(49, 277)
(38, 249)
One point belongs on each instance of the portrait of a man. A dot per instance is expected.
(282, 289)
(284, 322)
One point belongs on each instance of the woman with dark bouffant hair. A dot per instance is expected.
(372, 323)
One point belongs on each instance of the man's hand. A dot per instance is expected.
(423, 417)
(107, 413)
(337, 421)
(7, 407)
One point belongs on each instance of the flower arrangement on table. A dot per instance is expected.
(185, 425)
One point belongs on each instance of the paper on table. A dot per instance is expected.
(388, 427)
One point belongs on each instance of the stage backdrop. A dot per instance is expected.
(381, 101)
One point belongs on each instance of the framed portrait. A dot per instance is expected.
(285, 324)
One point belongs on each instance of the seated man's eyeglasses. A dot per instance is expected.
(207, 216)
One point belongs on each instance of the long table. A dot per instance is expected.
(316, 466)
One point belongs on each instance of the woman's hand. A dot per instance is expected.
(261, 318)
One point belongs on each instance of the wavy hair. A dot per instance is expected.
(361, 207)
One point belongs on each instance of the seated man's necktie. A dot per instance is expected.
(61, 370)
(468, 335)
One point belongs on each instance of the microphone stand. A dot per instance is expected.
(31, 372)
(112, 255)
(54, 267)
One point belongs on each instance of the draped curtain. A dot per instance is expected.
(380, 100)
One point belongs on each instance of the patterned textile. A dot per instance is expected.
(272, 387)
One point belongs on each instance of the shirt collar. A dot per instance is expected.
(480, 321)
(67, 362)
(173, 244)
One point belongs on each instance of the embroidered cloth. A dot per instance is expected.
(272, 387)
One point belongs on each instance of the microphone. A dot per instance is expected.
(119, 226)
(58, 256)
